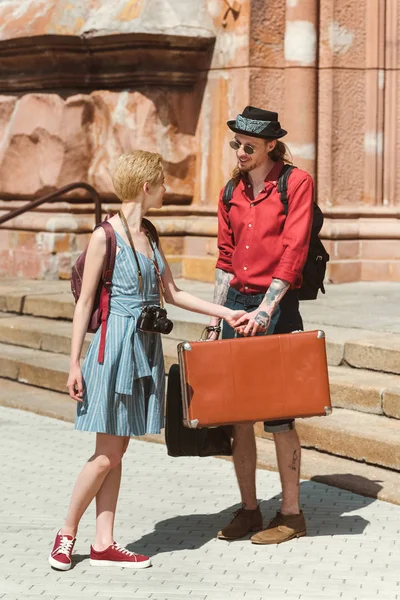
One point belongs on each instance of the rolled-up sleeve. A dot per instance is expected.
(225, 238)
(297, 231)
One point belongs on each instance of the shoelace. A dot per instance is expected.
(123, 550)
(276, 521)
(65, 546)
(238, 512)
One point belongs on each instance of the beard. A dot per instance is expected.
(255, 161)
(247, 167)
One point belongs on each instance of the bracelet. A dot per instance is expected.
(210, 329)
(216, 328)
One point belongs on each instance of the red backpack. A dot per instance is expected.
(101, 304)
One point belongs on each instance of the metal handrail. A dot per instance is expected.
(50, 197)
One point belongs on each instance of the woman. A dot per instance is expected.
(124, 395)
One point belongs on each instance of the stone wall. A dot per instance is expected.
(78, 139)
(359, 137)
(83, 83)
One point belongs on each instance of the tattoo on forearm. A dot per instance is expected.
(222, 281)
(294, 463)
(262, 319)
(276, 291)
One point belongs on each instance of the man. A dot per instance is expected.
(262, 253)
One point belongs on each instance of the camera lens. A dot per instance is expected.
(165, 325)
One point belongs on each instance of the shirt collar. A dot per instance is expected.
(272, 176)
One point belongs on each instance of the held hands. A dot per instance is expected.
(247, 324)
(234, 317)
(254, 322)
(75, 383)
(230, 316)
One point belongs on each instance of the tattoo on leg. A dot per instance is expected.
(293, 465)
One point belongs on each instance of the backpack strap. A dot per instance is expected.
(283, 185)
(151, 229)
(282, 188)
(109, 262)
(228, 194)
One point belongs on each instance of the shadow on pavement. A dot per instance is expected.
(78, 558)
(325, 509)
(328, 518)
(186, 532)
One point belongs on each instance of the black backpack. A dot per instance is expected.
(315, 265)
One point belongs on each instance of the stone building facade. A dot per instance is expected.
(81, 83)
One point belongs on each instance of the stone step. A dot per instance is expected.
(360, 436)
(357, 477)
(37, 400)
(365, 391)
(55, 336)
(360, 348)
(366, 438)
(355, 347)
(341, 472)
(356, 389)
(38, 333)
(34, 367)
(48, 370)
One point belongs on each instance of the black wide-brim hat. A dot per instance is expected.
(258, 123)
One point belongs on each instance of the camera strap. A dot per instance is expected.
(154, 259)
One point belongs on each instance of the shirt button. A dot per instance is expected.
(244, 268)
(247, 247)
(249, 224)
(246, 287)
(251, 205)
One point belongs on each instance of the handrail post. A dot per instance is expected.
(53, 196)
(97, 205)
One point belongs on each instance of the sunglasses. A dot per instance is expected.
(235, 145)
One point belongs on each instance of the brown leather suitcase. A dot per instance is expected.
(261, 378)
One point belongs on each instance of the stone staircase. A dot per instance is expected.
(360, 438)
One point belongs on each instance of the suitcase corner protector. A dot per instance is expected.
(320, 334)
(328, 410)
(191, 424)
(185, 346)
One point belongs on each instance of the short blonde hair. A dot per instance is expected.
(133, 170)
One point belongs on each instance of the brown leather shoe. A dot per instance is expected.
(281, 528)
(244, 521)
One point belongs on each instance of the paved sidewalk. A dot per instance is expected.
(171, 509)
(361, 305)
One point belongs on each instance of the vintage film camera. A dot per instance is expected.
(154, 319)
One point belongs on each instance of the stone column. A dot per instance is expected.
(358, 137)
(391, 82)
(300, 98)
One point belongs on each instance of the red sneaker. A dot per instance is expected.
(60, 556)
(116, 556)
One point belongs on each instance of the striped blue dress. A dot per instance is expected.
(125, 394)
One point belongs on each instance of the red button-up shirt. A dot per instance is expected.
(256, 241)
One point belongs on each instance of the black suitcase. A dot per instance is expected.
(182, 441)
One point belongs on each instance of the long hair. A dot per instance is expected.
(280, 152)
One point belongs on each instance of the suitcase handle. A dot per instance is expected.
(210, 328)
